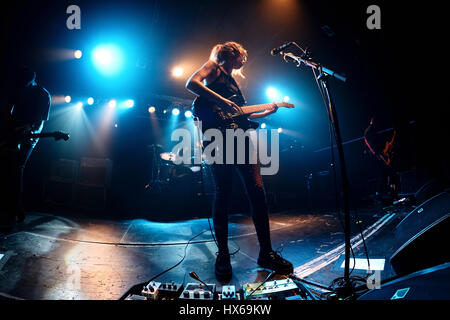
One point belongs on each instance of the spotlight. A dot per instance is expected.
(115, 125)
(79, 105)
(177, 72)
(280, 130)
(188, 114)
(77, 54)
(90, 101)
(112, 103)
(107, 59)
(273, 94)
(263, 125)
(286, 98)
(151, 109)
(175, 111)
(67, 99)
(129, 103)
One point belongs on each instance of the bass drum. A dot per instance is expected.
(181, 180)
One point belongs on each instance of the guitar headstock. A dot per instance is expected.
(285, 105)
(58, 135)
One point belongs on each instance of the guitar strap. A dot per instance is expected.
(234, 83)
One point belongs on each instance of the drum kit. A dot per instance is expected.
(166, 175)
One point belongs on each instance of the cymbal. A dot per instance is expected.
(155, 146)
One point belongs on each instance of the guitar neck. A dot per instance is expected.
(255, 108)
(40, 135)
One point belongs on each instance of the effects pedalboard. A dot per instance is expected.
(161, 291)
(284, 289)
(198, 291)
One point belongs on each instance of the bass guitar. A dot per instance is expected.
(12, 142)
(214, 116)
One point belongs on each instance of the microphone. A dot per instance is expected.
(290, 57)
(276, 51)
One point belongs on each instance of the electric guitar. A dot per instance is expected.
(388, 150)
(11, 142)
(214, 116)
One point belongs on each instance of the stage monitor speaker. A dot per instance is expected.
(422, 236)
(428, 284)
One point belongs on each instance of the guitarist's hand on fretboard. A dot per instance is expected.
(271, 109)
(231, 106)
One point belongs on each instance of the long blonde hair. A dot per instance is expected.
(229, 50)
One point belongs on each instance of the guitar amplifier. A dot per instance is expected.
(95, 172)
(64, 170)
(59, 186)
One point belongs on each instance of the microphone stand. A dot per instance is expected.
(323, 81)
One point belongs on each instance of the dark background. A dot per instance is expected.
(394, 74)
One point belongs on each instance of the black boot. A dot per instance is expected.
(223, 267)
(273, 261)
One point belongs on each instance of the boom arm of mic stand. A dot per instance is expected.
(300, 60)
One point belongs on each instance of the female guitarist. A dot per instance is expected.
(214, 82)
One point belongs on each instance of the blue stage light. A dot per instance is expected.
(175, 111)
(90, 101)
(129, 103)
(188, 114)
(112, 103)
(108, 59)
(263, 125)
(273, 94)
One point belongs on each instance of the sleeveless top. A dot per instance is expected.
(226, 86)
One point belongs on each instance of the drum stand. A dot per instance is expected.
(156, 185)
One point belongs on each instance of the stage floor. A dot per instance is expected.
(65, 257)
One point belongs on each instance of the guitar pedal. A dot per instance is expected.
(151, 290)
(170, 290)
(194, 291)
(228, 293)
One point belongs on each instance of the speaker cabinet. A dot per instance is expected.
(421, 237)
(428, 284)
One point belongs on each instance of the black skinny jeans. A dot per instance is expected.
(251, 178)
(12, 168)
